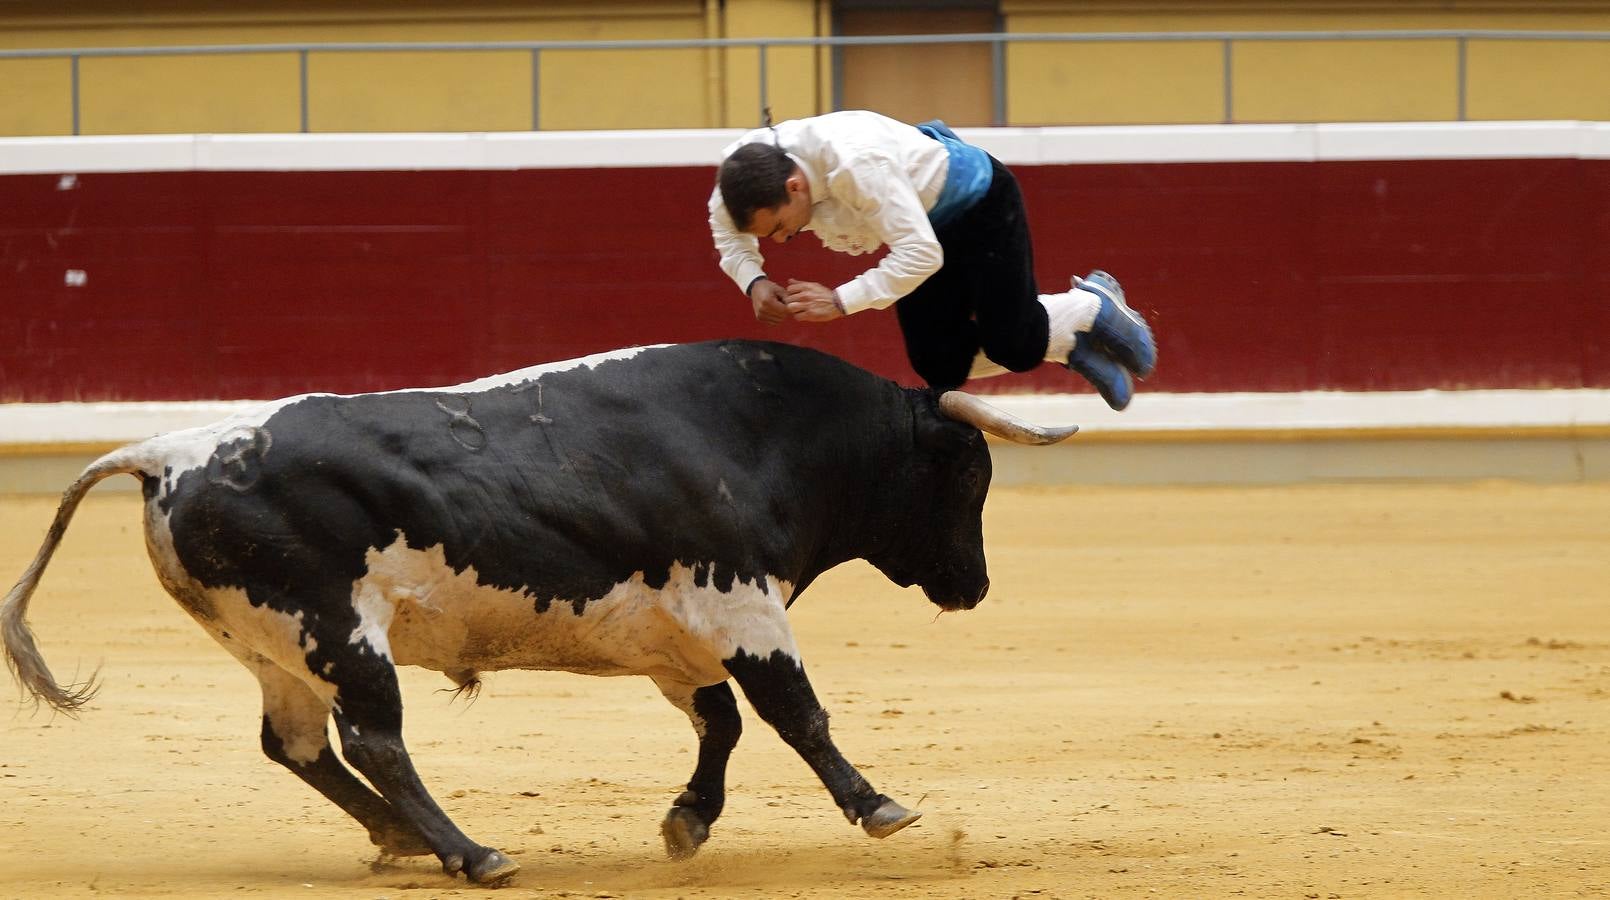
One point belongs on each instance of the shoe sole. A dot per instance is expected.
(1124, 383)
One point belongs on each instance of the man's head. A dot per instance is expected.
(765, 193)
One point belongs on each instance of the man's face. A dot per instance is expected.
(783, 221)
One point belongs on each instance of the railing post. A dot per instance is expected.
(75, 94)
(763, 103)
(997, 52)
(837, 77)
(1462, 43)
(1229, 84)
(536, 89)
(302, 78)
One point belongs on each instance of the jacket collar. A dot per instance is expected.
(813, 178)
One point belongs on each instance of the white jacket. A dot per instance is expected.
(872, 182)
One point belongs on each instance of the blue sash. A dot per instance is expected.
(966, 180)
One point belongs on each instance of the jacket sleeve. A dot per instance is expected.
(740, 253)
(883, 194)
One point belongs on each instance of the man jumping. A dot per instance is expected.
(960, 269)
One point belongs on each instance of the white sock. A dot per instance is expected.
(1070, 313)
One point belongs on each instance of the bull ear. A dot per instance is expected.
(964, 407)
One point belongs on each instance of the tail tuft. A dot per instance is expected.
(21, 651)
(467, 684)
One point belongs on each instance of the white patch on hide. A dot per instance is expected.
(374, 616)
(532, 373)
(681, 697)
(302, 747)
(181, 451)
(446, 621)
(273, 635)
(297, 715)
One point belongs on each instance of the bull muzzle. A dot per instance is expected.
(964, 407)
(962, 601)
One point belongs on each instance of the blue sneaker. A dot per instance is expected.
(1112, 380)
(1118, 329)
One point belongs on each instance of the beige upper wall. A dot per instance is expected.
(1304, 81)
(1046, 83)
(483, 91)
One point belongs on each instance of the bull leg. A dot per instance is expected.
(778, 689)
(714, 713)
(296, 735)
(369, 720)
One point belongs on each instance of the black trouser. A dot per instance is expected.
(983, 297)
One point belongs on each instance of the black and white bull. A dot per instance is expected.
(647, 512)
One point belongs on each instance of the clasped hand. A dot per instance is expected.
(802, 301)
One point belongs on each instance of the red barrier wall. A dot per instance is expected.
(1391, 275)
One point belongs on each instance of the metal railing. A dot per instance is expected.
(997, 42)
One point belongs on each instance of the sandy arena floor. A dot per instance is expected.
(1358, 691)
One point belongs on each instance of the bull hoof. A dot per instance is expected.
(683, 832)
(492, 870)
(888, 818)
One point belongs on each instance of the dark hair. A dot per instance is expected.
(753, 178)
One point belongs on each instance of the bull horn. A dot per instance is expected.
(964, 407)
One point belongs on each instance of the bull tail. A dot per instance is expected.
(21, 652)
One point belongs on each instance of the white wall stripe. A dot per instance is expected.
(44, 424)
(701, 147)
